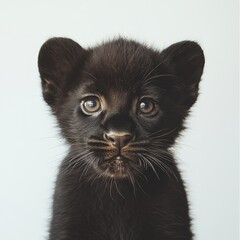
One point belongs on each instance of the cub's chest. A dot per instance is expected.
(116, 221)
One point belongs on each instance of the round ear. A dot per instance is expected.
(57, 60)
(186, 60)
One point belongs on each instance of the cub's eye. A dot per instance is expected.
(90, 105)
(146, 106)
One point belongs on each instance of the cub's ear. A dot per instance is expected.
(186, 60)
(57, 60)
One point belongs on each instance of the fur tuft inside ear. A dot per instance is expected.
(57, 59)
(186, 60)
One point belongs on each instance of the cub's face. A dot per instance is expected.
(120, 105)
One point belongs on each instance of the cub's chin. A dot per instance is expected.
(118, 167)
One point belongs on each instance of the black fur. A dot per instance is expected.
(145, 199)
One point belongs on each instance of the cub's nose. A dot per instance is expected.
(118, 139)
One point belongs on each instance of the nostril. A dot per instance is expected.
(109, 138)
(125, 139)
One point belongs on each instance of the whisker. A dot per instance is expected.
(150, 164)
(163, 165)
(149, 80)
(138, 142)
(115, 182)
(142, 188)
(132, 181)
(171, 130)
(135, 168)
(81, 159)
(158, 65)
(110, 189)
(90, 75)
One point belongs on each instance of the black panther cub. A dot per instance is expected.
(120, 106)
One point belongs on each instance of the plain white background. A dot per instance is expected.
(30, 145)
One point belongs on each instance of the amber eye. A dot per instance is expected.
(90, 105)
(146, 106)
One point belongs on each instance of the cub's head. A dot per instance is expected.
(121, 104)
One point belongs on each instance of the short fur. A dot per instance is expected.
(92, 200)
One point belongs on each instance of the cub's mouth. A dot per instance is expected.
(117, 162)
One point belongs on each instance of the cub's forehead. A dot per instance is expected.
(119, 63)
(113, 89)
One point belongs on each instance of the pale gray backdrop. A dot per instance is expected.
(30, 149)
